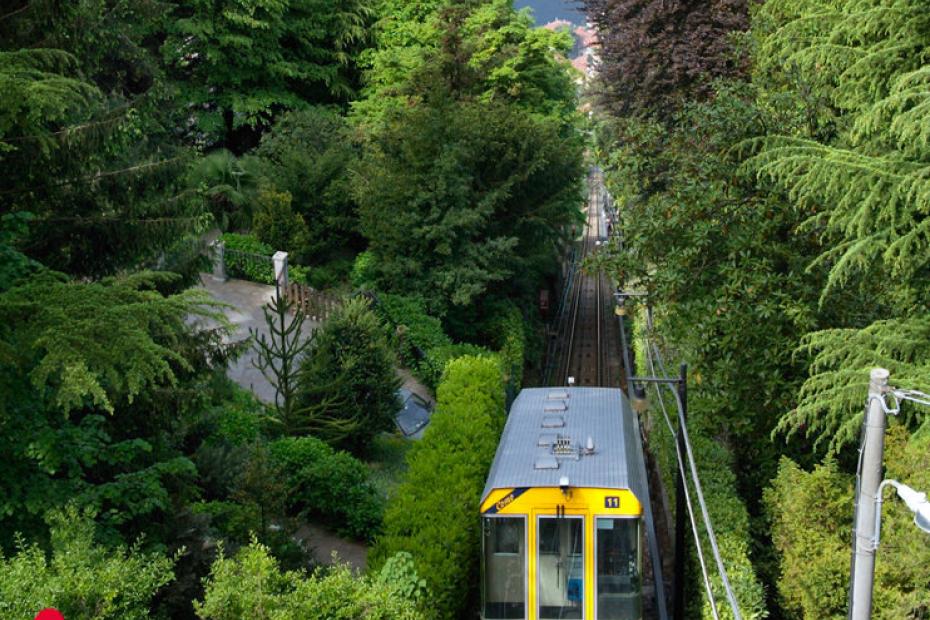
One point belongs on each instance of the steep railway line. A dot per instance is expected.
(587, 342)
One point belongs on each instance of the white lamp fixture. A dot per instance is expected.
(915, 501)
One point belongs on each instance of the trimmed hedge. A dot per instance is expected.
(727, 511)
(333, 486)
(434, 513)
(255, 269)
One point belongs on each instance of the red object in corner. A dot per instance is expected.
(49, 614)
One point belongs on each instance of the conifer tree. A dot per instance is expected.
(859, 172)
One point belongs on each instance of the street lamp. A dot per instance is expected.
(915, 501)
(871, 485)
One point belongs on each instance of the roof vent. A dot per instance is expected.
(561, 395)
(546, 462)
(556, 405)
(553, 421)
(546, 439)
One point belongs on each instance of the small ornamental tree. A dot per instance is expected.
(279, 354)
(349, 375)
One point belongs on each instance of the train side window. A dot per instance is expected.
(560, 567)
(503, 567)
(619, 584)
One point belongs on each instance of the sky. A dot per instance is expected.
(549, 10)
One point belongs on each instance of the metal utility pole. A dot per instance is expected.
(870, 477)
(681, 519)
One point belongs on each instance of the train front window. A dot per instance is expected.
(504, 568)
(560, 567)
(619, 587)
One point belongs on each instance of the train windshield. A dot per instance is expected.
(560, 567)
(619, 590)
(504, 567)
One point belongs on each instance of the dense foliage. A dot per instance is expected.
(811, 525)
(81, 578)
(252, 585)
(775, 219)
(656, 54)
(237, 62)
(467, 195)
(432, 515)
(328, 484)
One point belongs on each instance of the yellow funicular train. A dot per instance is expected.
(562, 509)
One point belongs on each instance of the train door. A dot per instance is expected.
(560, 567)
(618, 579)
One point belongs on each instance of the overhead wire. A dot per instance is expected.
(708, 525)
(683, 474)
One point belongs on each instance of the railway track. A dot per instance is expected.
(588, 348)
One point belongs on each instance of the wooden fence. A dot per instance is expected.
(315, 305)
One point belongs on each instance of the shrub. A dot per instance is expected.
(252, 585)
(81, 579)
(812, 516)
(349, 375)
(248, 267)
(416, 331)
(277, 224)
(511, 339)
(434, 513)
(363, 270)
(330, 274)
(333, 486)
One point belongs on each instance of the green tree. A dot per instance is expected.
(461, 199)
(309, 154)
(87, 139)
(812, 515)
(238, 62)
(276, 223)
(279, 354)
(82, 579)
(100, 382)
(350, 374)
(857, 170)
(251, 585)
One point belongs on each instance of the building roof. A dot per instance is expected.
(546, 439)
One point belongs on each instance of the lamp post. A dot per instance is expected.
(869, 493)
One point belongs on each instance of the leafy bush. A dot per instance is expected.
(277, 224)
(252, 585)
(511, 339)
(812, 516)
(431, 367)
(248, 267)
(333, 486)
(433, 515)
(83, 580)
(416, 332)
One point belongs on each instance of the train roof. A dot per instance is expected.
(546, 439)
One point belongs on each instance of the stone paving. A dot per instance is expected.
(246, 300)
